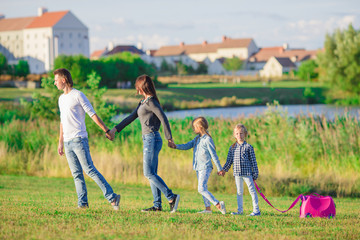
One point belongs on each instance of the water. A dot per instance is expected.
(328, 111)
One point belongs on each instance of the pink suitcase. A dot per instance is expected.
(317, 206)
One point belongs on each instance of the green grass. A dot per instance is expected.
(294, 155)
(200, 95)
(45, 208)
(251, 84)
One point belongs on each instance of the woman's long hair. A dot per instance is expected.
(145, 84)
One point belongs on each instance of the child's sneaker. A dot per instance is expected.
(236, 213)
(116, 202)
(254, 214)
(222, 207)
(205, 211)
(174, 204)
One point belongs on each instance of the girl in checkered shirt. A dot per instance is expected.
(204, 151)
(242, 155)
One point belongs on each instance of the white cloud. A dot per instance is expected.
(120, 21)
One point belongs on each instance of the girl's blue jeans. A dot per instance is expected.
(152, 146)
(203, 178)
(239, 181)
(79, 159)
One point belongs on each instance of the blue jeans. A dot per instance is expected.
(79, 159)
(152, 146)
(203, 178)
(240, 190)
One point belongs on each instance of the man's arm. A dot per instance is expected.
(99, 122)
(61, 141)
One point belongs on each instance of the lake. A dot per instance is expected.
(329, 111)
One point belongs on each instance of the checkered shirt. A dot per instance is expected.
(244, 160)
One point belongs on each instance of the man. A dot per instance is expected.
(73, 105)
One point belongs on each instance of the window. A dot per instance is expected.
(70, 45)
(61, 45)
(79, 35)
(70, 35)
(79, 45)
(35, 36)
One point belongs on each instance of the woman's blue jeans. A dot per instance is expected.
(79, 159)
(152, 146)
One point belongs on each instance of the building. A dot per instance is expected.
(40, 39)
(208, 53)
(111, 50)
(276, 67)
(258, 60)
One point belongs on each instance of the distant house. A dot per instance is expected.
(258, 60)
(111, 50)
(194, 53)
(276, 66)
(40, 39)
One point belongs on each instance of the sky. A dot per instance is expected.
(156, 23)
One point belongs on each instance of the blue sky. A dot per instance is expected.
(301, 24)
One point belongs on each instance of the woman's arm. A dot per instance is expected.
(157, 110)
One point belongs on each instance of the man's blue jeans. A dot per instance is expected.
(79, 159)
(152, 146)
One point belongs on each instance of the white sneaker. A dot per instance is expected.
(206, 211)
(222, 207)
(236, 213)
(253, 214)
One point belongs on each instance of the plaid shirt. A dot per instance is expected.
(243, 157)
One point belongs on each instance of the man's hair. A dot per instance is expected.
(64, 73)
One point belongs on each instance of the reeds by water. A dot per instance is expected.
(295, 155)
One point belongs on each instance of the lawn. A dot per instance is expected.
(45, 208)
(205, 95)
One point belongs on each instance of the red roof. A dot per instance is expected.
(13, 24)
(48, 19)
(203, 48)
(97, 54)
(295, 55)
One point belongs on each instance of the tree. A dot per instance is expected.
(181, 68)
(3, 63)
(339, 63)
(308, 70)
(22, 68)
(233, 64)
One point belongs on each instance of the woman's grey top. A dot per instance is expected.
(151, 116)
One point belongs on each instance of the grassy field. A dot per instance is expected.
(295, 155)
(45, 208)
(205, 95)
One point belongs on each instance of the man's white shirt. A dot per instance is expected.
(73, 107)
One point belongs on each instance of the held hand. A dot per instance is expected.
(171, 144)
(221, 173)
(111, 135)
(61, 149)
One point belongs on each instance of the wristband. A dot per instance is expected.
(108, 131)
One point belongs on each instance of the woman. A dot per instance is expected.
(151, 116)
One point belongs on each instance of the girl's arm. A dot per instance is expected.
(129, 119)
(187, 145)
(211, 148)
(255, 170)
(229, 159)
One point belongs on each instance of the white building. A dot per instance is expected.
(39, 40)
(276, 66)
(209, 53)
